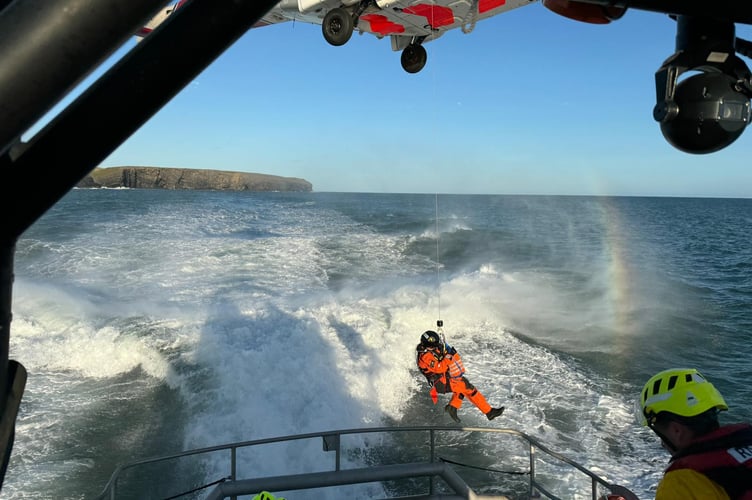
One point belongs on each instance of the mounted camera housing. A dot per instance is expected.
(709, 110)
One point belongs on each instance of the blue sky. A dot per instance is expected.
(528, 103)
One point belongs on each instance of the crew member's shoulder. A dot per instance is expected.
(687, 484)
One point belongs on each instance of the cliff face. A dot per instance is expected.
(186, 178)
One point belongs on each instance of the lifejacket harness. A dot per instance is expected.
(725, 456)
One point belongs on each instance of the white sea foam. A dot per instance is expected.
(265, 318)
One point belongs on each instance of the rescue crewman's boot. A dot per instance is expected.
(494, 412)
(452, 411)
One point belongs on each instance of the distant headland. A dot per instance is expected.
(188, 178)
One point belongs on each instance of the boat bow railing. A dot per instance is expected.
(435, 468)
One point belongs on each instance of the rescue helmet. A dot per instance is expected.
(430, 339)
(265, 495)
(680, 391)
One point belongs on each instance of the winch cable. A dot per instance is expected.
(439, 321)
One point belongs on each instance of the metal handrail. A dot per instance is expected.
(331, 442)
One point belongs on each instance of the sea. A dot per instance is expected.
(154, 321)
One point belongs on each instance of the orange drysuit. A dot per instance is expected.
(445, 365)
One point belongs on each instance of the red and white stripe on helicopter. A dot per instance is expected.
(408, 23)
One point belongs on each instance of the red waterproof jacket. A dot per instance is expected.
(439, 365)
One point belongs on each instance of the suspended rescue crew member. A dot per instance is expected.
(442, 366)
(707, 461)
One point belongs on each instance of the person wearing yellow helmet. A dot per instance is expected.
(708, 461)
